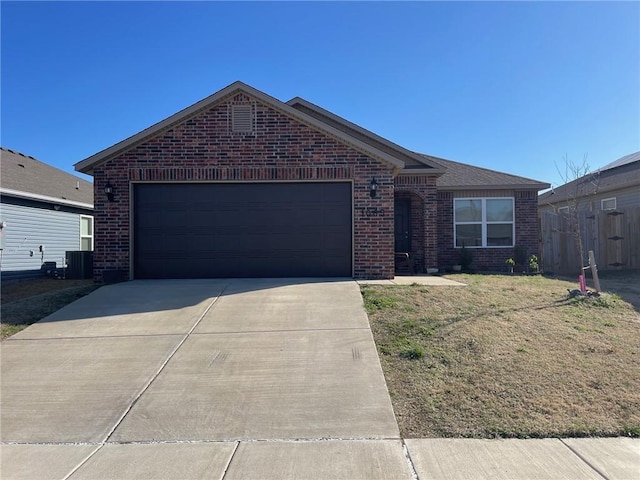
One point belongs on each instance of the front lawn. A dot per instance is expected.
(509, 356)
(25, 302)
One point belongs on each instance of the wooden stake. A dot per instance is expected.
(594, 271)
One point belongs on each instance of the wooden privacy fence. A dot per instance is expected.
(613, 235)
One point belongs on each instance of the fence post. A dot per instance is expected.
(594, 271)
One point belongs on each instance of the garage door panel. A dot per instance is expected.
(242, 230)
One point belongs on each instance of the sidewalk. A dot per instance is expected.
(577, 458)
(432, 459)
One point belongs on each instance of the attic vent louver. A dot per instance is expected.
(242, 118)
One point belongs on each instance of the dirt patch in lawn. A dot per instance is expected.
(27, 301)
(509, 356)
(626, 284)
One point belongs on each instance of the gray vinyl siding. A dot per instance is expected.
(629, 197)
(28, 228)
(625, 198)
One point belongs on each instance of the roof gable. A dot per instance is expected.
(87, 165)
(26, 177)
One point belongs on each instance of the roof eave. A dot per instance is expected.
(520, 186)
(413, 155)
(44, 198)
(87, 165)
(549, 198)
(423, 171)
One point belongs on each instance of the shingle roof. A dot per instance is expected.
(632, 157)
(27, 175)
(623, 173)
(457, 175)
(461, 176)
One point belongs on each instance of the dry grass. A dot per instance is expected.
(27, 301)
(509, 356)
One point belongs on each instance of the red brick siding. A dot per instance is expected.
(489, 258)
(202, 148)
(422, 191)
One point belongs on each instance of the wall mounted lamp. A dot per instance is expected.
(108, 190)
(373, 188)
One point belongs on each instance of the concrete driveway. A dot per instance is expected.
(174, 379)
(237, 379)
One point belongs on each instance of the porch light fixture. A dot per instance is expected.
(373, 188)
(108, 190)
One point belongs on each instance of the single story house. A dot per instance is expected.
(44, 212)
(241, 184)
(614, 186)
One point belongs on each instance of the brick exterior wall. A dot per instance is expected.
(527, 228)
(421, 190)
(203, 149)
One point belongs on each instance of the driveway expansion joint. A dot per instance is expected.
(85, 460)
(292, 330)
(407, 456)
(226, 467)
(93, 337)
(581, 457)
(164, 364)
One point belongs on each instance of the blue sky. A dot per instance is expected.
(512, 86)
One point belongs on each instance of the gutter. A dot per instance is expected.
(521, 186)
(45, 198)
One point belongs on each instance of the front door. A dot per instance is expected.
(402, 225)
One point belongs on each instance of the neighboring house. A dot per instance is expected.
(614, 186)
(44, 212)
(597, 212)
(241, 184)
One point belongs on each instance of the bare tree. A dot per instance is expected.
(579, 185)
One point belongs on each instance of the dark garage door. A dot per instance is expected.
(242, 230)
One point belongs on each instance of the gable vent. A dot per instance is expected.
(242, 118)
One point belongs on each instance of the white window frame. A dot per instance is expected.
(91, 237)
(484, 222)
(563, 211)
(615, 203)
